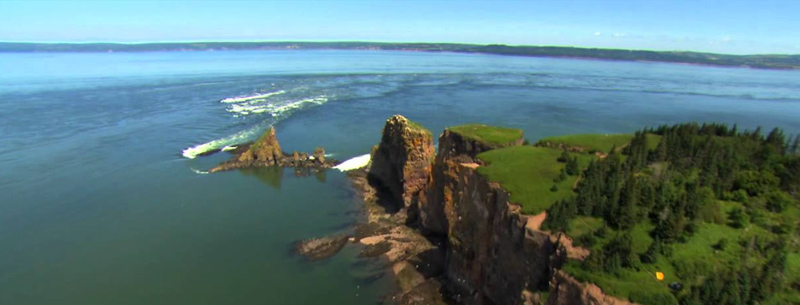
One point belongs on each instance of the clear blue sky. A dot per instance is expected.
(732, 26)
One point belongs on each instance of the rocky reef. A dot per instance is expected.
(482, 248)
(321, 248)
(266, 151)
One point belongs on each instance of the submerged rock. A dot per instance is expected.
(315, 249)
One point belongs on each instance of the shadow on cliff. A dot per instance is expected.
(385, 196)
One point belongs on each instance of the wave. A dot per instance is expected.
(237, 138)
(240, 99)
(199, 172)
(353, 163)
(277, 112)
(275, 109)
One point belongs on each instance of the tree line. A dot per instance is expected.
(679, 185)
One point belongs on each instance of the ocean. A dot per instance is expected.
(104, 197)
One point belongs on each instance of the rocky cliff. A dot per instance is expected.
(566, 290)
(402, 161)
(491, 257)
(493, 253)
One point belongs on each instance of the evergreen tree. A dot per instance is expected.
(776, 139)
(737, 218)
(628, 200)
(661, 150)
(564, 156)
(572, 166)
(756, 135)
(795, 145)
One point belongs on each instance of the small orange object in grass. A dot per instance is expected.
(659, 276)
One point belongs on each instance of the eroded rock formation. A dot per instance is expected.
(493, 254)
(266, 151)
(402, 161)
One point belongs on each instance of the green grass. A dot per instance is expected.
(627, 284)
(793, 267)
(782, 298)
(584, 224)
(641, 236)
(601, 142)
(527, 173)
(698, 256)
(652, 141)
(488, 134)
(417, 126)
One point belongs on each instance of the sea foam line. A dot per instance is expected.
(278, 113)
(353, 163)
(239, 137)
(240, 99)
(275, 109)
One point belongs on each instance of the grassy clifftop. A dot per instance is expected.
(528, 173)
(492, 135)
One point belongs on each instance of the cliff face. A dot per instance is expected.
(454, 149)
(402, 162)
(494, 253)
(565, 290)
(491, 257)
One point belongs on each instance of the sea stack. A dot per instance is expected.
(266, 151)
(402, 161)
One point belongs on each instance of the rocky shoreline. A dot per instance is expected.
(448, 234)
(453, 236)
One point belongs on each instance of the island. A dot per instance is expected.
(761, 61)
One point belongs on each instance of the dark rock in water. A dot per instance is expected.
(266, 151)
(375, 250)
(371, 229)
(319, 155)
(315, 249)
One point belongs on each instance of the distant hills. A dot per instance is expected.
(768, 61)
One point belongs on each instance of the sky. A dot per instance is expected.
(731, 26)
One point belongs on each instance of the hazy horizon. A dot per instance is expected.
(733, 27)
(368, 41)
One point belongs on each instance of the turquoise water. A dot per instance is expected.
(100, 204)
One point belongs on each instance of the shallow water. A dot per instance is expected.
(99, 205)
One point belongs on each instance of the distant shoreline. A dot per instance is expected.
(765, 61)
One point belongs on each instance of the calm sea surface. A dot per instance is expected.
(102, 200)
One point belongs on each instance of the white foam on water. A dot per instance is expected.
(278, 111)
(229, 147)
(199, 172)
(274, 108)
(354, 163)
(239, 137)
(240, 99)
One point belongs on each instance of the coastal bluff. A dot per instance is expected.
(486, 251)
(266, 151)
